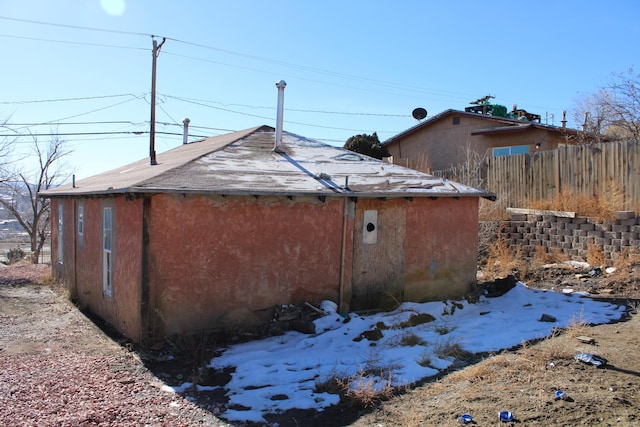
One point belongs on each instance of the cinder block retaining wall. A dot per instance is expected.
(570, 234)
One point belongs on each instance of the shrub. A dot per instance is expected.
(15, 255)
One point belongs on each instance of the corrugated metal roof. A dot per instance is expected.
(244, 163)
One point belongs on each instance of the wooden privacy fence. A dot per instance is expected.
(589, 169)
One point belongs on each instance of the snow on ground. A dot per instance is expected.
(279, 373)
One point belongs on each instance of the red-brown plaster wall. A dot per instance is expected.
(225, 262)
(442, 145)
(441, 249)
(426, 249)
(217, 262)
(81, 270)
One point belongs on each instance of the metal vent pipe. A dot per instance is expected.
(280, 85)
(185, 133)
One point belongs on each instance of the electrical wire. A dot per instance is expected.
(75, 27)
(184, 99)
(73, 42)
(346, 76)
(82, 98)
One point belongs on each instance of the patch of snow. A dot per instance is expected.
(279, 373)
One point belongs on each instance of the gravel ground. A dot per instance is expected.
(58, 369)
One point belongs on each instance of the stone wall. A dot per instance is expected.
(570, 234)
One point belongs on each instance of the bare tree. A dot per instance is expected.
(613, 111)
(625, 104)
(6, 148)
(22, 184)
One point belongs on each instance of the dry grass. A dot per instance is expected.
(410, 339)
(367, 388)
(494, 211)
(542, 256)
(627, 258)
(599, 206)
(503, 260)
(450, 348)
(595, 255)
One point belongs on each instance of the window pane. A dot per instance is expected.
(519, 149)
(107, 229)
(81, 219)
(501, 151)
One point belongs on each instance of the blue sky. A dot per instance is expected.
(351, 66)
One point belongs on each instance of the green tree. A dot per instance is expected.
(368, 145)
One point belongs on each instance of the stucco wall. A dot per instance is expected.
(81, 270)
(441, 144)
(426, 250)
(225, 262)
(441, 248)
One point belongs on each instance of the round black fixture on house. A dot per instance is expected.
(370, 227)
(419, 113)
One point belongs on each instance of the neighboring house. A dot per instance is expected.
(450, 138)
(221, 231)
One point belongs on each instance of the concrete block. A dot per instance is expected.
(595, 233)
(618, 228)
(616, 243)
(571, 226)
(625, 214)
(628, 222)
(579, 220)
(611, 235)
(587, 227)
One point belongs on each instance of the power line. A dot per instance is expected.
(248, 56)
(75, 27)
(114, 122)
(94, 133)
(82, 98)
(72, 42)
(179, 98)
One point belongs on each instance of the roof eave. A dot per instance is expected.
(258, 193)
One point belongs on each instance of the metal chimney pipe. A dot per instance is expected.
(564, 118)
(185, 133)
(280, 85)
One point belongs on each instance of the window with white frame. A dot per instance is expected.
(60, 232)
(107, 250)
(511, 150)
(80, 218)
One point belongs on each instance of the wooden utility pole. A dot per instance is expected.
(152, 130)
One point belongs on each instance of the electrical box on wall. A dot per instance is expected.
(370, 228)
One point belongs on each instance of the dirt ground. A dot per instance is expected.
(59, 368)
